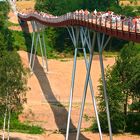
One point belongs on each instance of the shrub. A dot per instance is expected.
(133, 122)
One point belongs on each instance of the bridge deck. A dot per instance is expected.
(122, 29)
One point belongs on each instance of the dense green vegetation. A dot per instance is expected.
(17, 126)
(123, 88)
(12, 79)
(59, 7)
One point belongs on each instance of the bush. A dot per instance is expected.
(116, 98)
(122, 82)
(17, 126)
(4, 10)
(117, 119)
(13, 81)
(133, 122)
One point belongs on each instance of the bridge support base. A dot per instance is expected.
(38, 37)
(88, 40)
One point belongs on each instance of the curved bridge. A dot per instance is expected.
(126, 29)
(84, 29)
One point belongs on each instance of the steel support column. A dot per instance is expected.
(45, 54)
(36, 38)
(101, 45)
(86, 85)
(74, 35)
(84, 34)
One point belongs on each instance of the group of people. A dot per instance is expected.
(111, 18)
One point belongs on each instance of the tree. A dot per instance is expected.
(116, 98)
(12, 74)
(128, 65)
(12, 87)
(12, 81)
(4, 9)
(123, 86)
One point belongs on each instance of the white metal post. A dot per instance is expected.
(74, 38)
(83, 39)
(85, 87)
(101, 46)
(41, 49)
(32, 46)
(37, 29)
(37, 39)
(46, 60)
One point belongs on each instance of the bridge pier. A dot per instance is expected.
(101, 45)
(74, 35)
(38, 37)
(88, 68)
(84, 35)
(87, 40)
(81, 37)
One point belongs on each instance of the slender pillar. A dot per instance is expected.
(101, 47)
(84, 39)
(37, 30)
(74, 37)
(32, 46)
(37, 39)
(46, 60)
(41, 49)
(71, 94)
(85, 87)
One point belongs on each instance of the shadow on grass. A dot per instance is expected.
(58, 109)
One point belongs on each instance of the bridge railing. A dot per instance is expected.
(111, 23)
(124, 25)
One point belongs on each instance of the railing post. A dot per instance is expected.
(96, 21)
(78, 16)
(72, 18)
(135, 27)
(84, 18)
(116, 24)
(100, 21)
(88, 20)
(122, 25)
(105, 22)
(110, 23)
(92, 19)
(129, 26)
